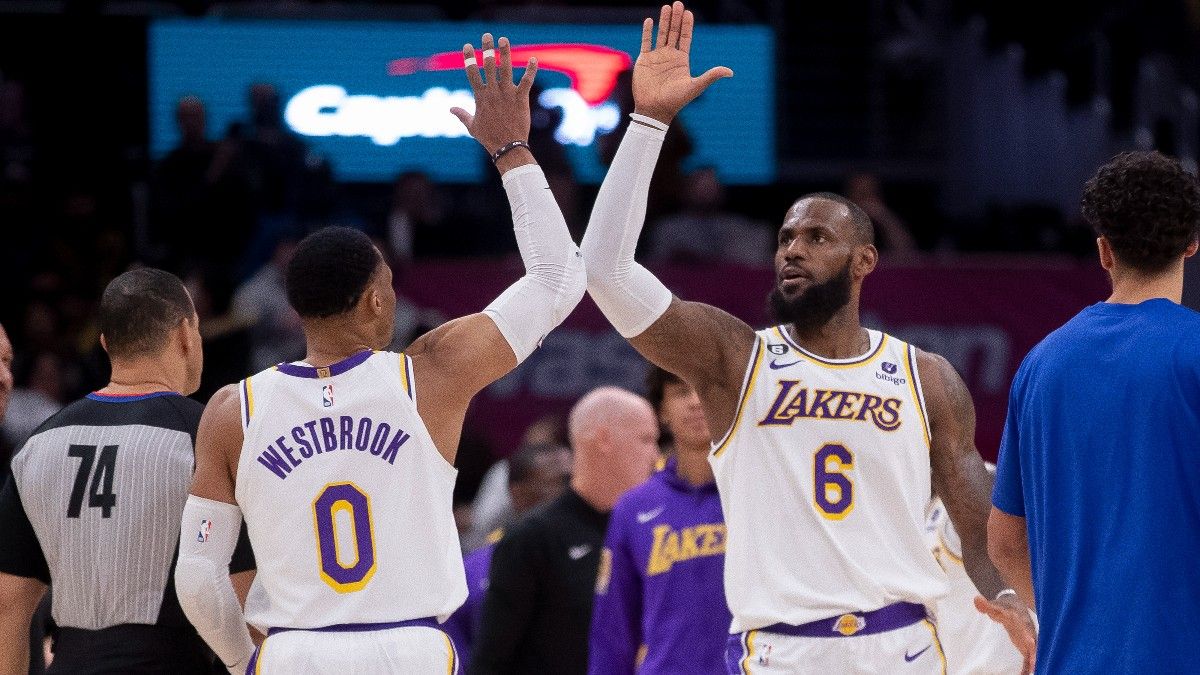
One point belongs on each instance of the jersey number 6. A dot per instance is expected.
(833, 492)
(345, 571)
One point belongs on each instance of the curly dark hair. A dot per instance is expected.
(329, 271)
(1147, 206)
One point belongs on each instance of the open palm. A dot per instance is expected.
(662, 76)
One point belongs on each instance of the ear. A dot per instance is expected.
(103, 343)
(1107, 258)
(866, 258)
(1191, 249)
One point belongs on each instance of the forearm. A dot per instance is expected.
(1008, 547)
(554, 280)
(628, 294)
(14, 641)
(208, 536)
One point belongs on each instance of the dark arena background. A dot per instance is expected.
(208, 138)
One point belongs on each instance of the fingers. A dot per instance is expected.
(527, 79)
(664, 25)
(506, 76)
(472, 68)
(676, 24)
(463, 116)
(647, 30)
(685, 33)
(489, 59)
(699, 84)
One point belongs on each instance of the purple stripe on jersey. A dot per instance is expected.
(253, 661)
(427, 622)
(735, 651)
(246, 400)
(881, 620)
(129, 398)
(297, 370)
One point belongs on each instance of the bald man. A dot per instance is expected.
(539, 604)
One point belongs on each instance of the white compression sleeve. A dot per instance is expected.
(629, 295)
(208, 535)
(554, 280)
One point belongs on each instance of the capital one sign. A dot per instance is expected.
(328, 109)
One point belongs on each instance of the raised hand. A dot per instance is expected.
(662, 76)
(1014, 616)
(501, 106)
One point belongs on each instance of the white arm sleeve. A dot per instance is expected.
(629, 295)
(554, 280)
(208, 535)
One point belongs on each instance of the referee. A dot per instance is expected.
(95, 497)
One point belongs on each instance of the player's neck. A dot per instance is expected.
(692, 466)
(140, 377)
(1131, 287)
(842, 337)
(327, 348)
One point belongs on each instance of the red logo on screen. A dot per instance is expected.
(593, 69)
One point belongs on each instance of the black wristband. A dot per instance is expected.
(507, 149)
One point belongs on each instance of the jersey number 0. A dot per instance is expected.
(345, 571)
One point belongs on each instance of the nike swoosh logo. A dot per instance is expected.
(776, 366)
(648, 516)
(916, 656)
(577, 552)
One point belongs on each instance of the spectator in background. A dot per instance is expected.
(891, 234)
(539, 600)
(261, 304)
(705, 231)
(39, 395)
(492, 508)
(537, 474)
(660, 595)
(416, 221)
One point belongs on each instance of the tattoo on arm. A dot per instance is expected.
(959, 475)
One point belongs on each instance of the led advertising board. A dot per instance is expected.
(374, 98)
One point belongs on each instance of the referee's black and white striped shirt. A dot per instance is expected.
(94, 504)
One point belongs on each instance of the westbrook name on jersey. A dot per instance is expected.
(346, 500)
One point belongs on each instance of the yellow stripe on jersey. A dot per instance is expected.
(835, 365)
(749, 649)
(936, 643)
(452, 666)
(748, 387)
(946, 549)
(910, 367)
(249, 400)
(258, 662)
(404, 361)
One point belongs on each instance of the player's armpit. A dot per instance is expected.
(707, 347)
(218, 446)
(451, 364)
(959, 475)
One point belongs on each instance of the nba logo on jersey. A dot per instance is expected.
(327, 396)
(205, 530)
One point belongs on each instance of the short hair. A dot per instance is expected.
(1147, 206)
(863, 228)
(329, 271)
(139, 309)
(656, 384)
(523, 462)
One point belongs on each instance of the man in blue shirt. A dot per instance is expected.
(660, 596)
(1097, 496)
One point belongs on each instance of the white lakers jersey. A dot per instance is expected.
(346, 500)
(824, 479)
(974, 644)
